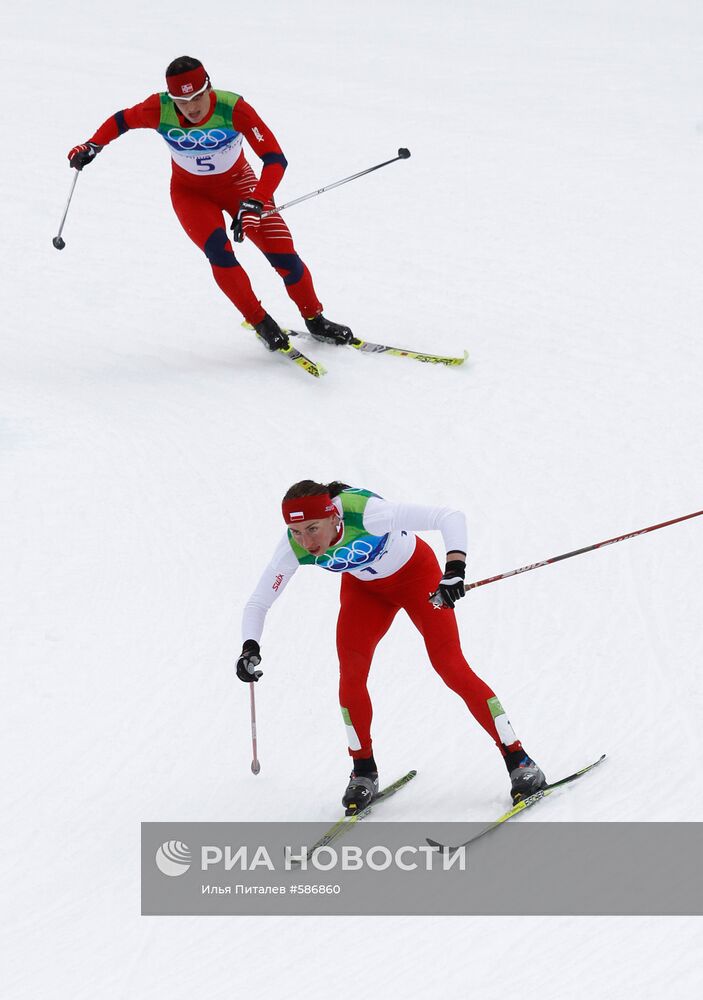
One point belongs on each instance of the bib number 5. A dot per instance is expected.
(204, 163)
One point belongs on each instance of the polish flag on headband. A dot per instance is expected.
(185, 86)
(315, 508)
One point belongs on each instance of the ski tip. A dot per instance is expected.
(317, 370)
(313, 368)
(442, 848)
(458, 362)
(595, 762)
(448, 362)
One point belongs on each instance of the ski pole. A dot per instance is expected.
(57, 240)
(437, 600)
(403, 154)
(255, 764)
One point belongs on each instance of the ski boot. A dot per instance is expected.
(328, 332)
(271, 334)
(525, 779)
(361, 791)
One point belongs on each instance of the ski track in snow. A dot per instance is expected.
(550, 221)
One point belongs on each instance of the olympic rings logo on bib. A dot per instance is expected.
(197, 138)
(345, 557)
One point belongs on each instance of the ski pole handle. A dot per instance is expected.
(403, 154)
(57, 240)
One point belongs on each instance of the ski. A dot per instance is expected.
(531, 800)
(345, 824)
(300, 359)
(369, 348)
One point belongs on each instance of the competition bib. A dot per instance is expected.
(207, 149)
(204, 150)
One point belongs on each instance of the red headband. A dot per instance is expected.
(315, 508)
(183, 86)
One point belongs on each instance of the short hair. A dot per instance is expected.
(309, 488)
(184, 64)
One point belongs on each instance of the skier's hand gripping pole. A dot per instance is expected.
(247, 220)
(249, 660)
(451, 587)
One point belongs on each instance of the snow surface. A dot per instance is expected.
(551, 221)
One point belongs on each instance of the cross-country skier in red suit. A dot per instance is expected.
(384, 567)
(204, 130)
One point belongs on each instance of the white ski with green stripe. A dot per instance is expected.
(346, 823)
(531, 800)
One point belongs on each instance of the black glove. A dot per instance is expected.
(80, 156)
(249, 659)
(451, 586)
(248, 218)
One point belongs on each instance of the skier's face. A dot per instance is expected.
(196, 109)
(316, 536)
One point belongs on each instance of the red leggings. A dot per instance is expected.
(199, 204)
(367, 609)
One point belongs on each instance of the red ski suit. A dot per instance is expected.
(384, 568)
(199, 202)
(367, 610)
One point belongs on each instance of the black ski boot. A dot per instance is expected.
(525, 779)
(362, 788)
(327, 331)
(271, 334)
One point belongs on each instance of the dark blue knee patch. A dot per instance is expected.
(289, 262)
(219, 251)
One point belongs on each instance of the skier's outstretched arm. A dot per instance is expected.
(272, 583)
(144, 115)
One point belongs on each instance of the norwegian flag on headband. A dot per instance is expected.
(188, 84)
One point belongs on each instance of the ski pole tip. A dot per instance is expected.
(403, 153)
(58, 242)
(255, 766)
